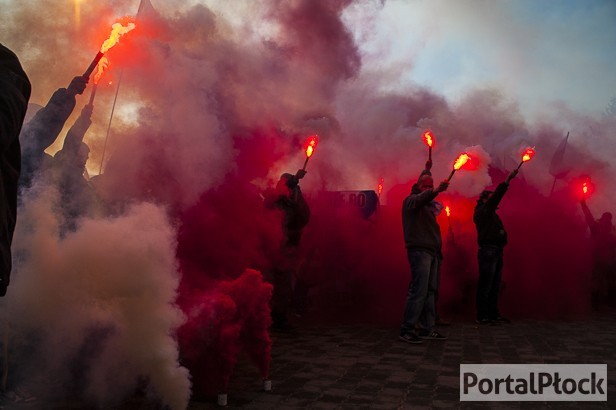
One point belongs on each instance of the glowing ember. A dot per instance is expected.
(310, 145)
(428, 138)
(117, 31)
(585, 188)
(448, 211)
(380, 186)
(528, 154)
(461, 160)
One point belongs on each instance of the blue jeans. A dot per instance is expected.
(420, 298)
(488, 284)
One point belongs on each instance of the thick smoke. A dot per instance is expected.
(100, 301)
(213, 107)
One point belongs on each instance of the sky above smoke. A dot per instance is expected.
(216, 99)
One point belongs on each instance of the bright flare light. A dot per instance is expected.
(428, 139)
(528, 154)
(311, 144)
(461, 160)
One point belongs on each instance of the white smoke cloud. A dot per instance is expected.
(100, 298)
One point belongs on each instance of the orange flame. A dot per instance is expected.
(585, 188)
(102, 66)
(462, 159)
(448, 211)
(117, 31)
(380, 186)
(311, 144)
(428, 139)
(528, 154)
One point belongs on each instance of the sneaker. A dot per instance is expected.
(410, 338)
(501, 319)
(433, 335)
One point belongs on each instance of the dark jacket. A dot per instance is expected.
(14, 96)
(490, 228)
(295, 210)
(421, 231)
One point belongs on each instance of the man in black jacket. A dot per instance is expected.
(422, 237)
(492, 238)
(14, 96)
(288, 199)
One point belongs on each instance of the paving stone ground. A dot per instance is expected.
(367, 367)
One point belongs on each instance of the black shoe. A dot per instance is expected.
(433, 335)
(410, 338)
(500, 319)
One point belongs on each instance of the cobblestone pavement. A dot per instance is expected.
(367, 367)
(363, 367)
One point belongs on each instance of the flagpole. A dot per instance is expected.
(100, 170)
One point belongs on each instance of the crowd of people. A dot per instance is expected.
(24, 161)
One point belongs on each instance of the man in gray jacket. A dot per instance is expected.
(422, 237)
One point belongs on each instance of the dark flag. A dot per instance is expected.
(557, 167)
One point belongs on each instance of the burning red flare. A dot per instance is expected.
(528, 154)
(587, 187)
(462, 159)
(380, 186)
(428, 138)
(448, 211)
(117, 31)
(310, 145)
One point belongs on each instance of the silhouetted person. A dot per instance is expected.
(604, 254)
(287, 197)
(492, 239)
(77, 198)
(43, 129)
(14, 96)
(422, 238)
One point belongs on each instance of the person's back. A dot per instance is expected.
(421, 230)
(490, 228)
(14, 96)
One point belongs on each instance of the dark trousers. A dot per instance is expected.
(282, 275)
(420, 298)
(488, 285)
